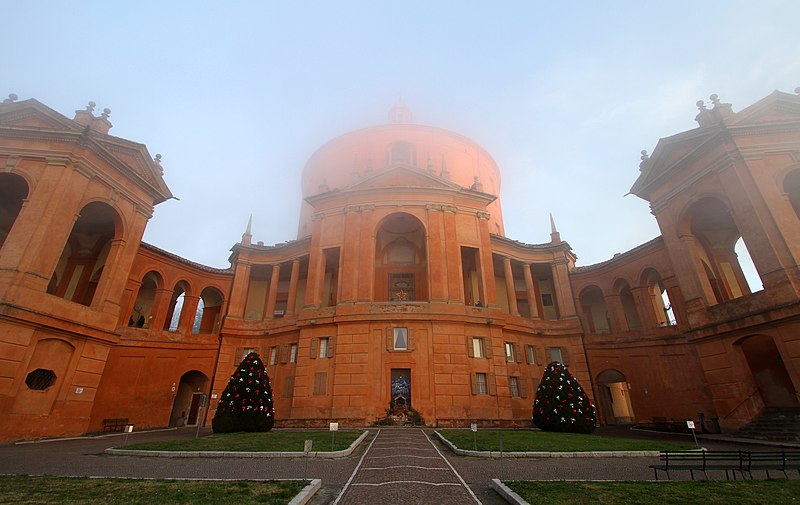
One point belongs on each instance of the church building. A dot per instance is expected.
(401, 291)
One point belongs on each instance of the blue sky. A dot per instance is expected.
(237, 96)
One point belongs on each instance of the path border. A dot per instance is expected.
(235, 454)
(546, 454)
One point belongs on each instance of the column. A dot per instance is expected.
(455, 284)
(241, 284)
(350, 254)
(511, 291)
(290, 303)
(366, 255)
(272, 294)
(437, 259)
(487, 266)
(533, 296)
(188, 311)
(564, 300)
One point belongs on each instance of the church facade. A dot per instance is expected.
(401, 291)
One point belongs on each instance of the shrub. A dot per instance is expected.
(246, 402)
(561, 403)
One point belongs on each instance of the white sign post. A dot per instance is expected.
(334, 427)
(690, 425)
(474, 428)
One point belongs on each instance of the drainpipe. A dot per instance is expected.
(591, 380)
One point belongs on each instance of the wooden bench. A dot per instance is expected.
(780, 461)
(115, 424)
(702, 461)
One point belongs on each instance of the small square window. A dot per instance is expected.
(293, 353)
(513, 386)
(547, 299)
(555, 355)
(480, 384)
(400, 339)
(273, 356)
(477, 347)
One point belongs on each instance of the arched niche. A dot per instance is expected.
(593, 303)
(206, 318)
(142, 311)
(13, 191)
(401, 271)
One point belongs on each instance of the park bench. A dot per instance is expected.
(702, 461)
(780, 461)
(115, 424)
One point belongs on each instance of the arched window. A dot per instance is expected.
(83, 259)
(716, 235)
(206, 318)
(629, 309)
(594, 307)
(400, 260)
(660, 302)
(175, 307)
(142, 311)
(13, 191)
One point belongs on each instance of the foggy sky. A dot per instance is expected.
(237, 97)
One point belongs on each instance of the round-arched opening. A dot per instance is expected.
(401, 260)
(206, 317)
(13, 191)
(189, 393)
(769, 371)
(142, 310)
(615, 397)
(593, 303)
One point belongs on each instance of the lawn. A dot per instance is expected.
(541, 441)
(80, 490)
(645, 493)
(270, 441)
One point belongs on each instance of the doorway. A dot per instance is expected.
(400, 397)
(186, 406)
(769, 372)
(615, 397)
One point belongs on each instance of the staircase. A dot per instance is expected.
(776, 423)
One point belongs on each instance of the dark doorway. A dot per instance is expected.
(401, 390)
(615, 397)
(769, 372)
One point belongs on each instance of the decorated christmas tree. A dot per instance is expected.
(246, 402)
(561, 404)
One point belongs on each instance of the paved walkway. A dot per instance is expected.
(363, 477)
(403, 466)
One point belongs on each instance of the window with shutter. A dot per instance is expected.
(330, 347)
(284, 353)
(564, 356)
(529, 355)
(555, 354)
(513, 386)
(323, 347)
(491, 384)
(509, 352)
(487, 347)
(313, 354)
(273, 355)
(523, 389)
(480, 384)
(517, 354)
(293, 353)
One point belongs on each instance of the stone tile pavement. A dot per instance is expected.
(408, 454)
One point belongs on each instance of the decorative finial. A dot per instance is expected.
(91, 106)
(714, 99)
(157, 159)
(645, 156)
(11, 98)
(553, 224)
(701, 105)
(106, 112)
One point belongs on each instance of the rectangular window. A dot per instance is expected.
(513, 386)
(530, 354)
(400, 339)
(477, 347)
(320, 383)
(547, 299)
(323, 347)
(273, 356)
(510, 352)
(480, 384)
(293, 353)
(555, 355)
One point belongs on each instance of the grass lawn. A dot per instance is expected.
(79, 490)
(270, 441)
(717, 492)
(528, 440)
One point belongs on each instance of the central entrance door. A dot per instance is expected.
(400, 390)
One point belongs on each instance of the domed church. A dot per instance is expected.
(401, 291)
